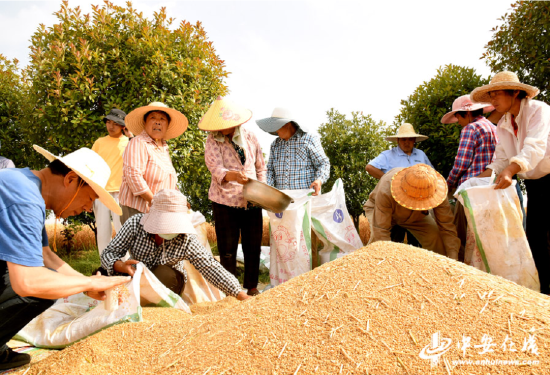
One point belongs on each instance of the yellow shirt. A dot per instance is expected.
(111, 150)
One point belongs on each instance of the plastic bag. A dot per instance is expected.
(497, 243)
(290, 238)
(76, 317)
(333, 225)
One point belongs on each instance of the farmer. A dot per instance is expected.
(403, 155)
(403, 197)
(478, 139)
(110, 148)
(296, 158)
(524, 136)
(162, 239)
(32, 277)
(233, 155)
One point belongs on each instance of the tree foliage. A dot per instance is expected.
(116, 57)
(522, 45)
(350, 144)
(428, 103)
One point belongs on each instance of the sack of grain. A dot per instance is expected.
(73, 318)
(290, 238)
(496, 222)
(333, 225)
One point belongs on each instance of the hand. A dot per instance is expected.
(242, 296)
(188, 205)
(125, 267)
(101, 283)
(127, 132)
(504, 179)
(236, 176)
(316, 185)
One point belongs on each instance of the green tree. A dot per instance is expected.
(522, 45)
(86, 65)
(350, 144)
(428, 103)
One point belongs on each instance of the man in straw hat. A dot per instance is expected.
(162, 239)
(403, 197)
(523, 149)
(478, 140)
(403, 155)
(32, 277)
(296, 158)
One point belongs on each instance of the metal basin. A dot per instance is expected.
(266, 197)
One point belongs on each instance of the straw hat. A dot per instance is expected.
(418, 188)
(91, 167)
(168, 214)
(279, 118)
(406, 131)
(502, 81)
(178, 122)
(462, 104)
(117, 116)
(224, 114)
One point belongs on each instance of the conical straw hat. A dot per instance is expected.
(418, 188)
(502, 81)
(178, 122)
(406, 131)
(224, 114)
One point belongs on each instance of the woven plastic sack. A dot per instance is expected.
(290, 238)
(333, 225)
(264, 256)
(76, 317)
(496, 242)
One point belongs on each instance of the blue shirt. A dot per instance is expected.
(22, 218)
(395, 158)
(297, 162)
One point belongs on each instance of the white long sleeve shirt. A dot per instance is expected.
(531, 148)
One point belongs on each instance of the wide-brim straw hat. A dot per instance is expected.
(502, 81)
(279, 118)
(419, 187)
(224, 114)
(178, 122)
(464, 104)
(91, 167)
(406, 131)
(168, 214)
(117, 116)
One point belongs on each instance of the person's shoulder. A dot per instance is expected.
(21, 185)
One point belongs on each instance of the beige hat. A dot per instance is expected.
(502, 81)
(419, 187)
(168, 214)
(224, 114)
(406, 131)
(91, 167)
(178, 122)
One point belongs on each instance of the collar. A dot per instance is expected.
(402, 153)
(507, 118)
(147, 138)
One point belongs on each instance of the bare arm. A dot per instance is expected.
(51, 260)
(374, 172)
(485, 173)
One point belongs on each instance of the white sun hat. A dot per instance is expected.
(279, 118)
(91, 167)
(168, 214)
(406, 131)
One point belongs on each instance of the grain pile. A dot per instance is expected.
(372, 312)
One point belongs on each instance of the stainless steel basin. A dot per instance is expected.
(265, 196)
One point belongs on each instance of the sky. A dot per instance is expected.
(310, 56)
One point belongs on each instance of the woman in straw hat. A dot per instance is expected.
(147, 167)
(162, 239)
(28, 286)
(233, 155)
(403, 197)
(523, 149)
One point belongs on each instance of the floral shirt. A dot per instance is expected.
(221, 158)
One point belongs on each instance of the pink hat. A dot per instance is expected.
(464, 103)
(168, 214)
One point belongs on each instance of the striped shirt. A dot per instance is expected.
(146, 165)
(141, 245)
(297, 162)
(477, 145)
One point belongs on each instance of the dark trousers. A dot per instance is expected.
(397, 234)
(171, 278)
(538, 227)
(230, 222)
(15, 311)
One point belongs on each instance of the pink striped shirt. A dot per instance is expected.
(146, 165)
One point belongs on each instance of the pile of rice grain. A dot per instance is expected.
(371, 312)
